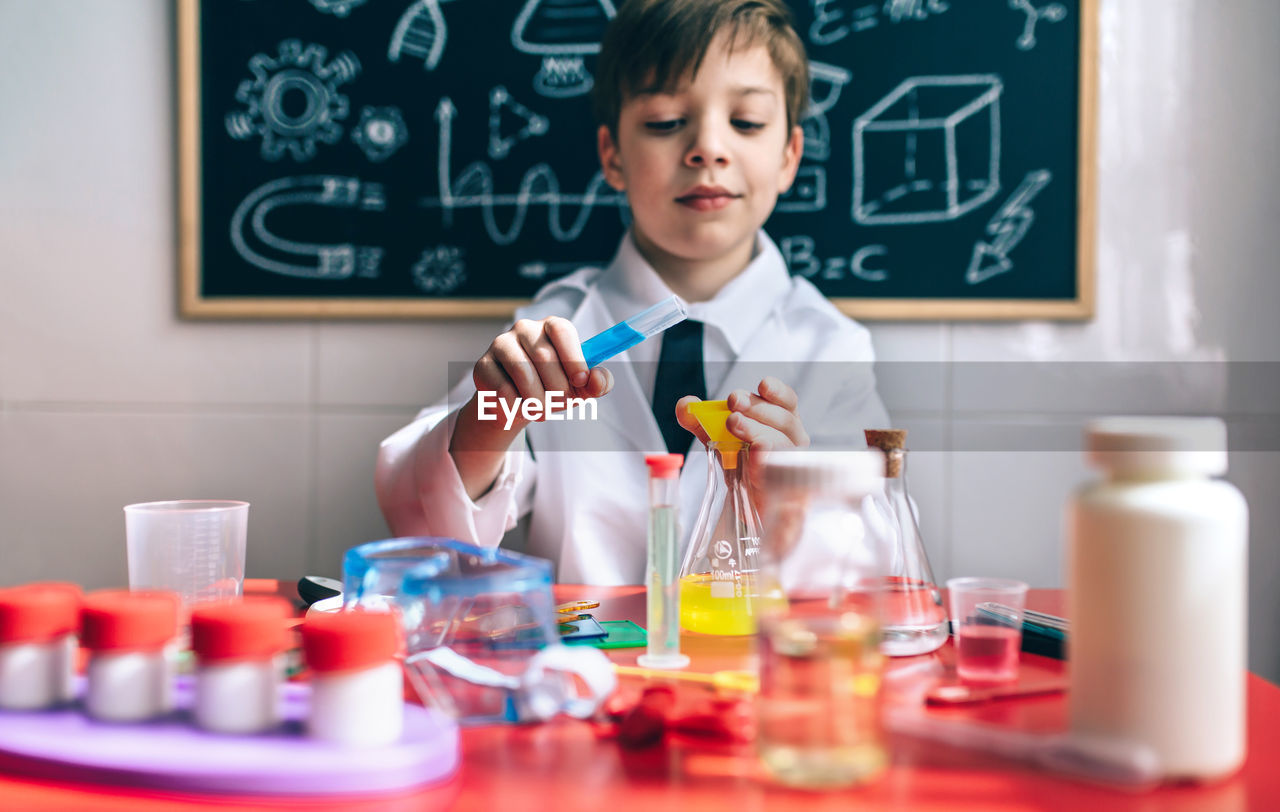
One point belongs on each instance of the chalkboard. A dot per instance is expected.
(392, 158)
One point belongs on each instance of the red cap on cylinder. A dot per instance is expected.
(664, 466)
(118, 620)
(349, 640)
(37, 613)
(251, 629)
(69, 588)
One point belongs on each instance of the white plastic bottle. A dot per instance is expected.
(38, 625)
(126, 633)
(357, 683)
(1157, 554)
(239, 647)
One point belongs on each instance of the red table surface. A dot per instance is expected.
(566, 764)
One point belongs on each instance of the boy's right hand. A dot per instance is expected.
(536, 357)
(527, 361)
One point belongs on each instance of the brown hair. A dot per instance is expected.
(652, 44)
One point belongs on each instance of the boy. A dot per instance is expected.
(699, 104)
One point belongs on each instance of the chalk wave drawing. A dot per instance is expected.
(420, 33)
(825, 83)
(539, 187)
(262, 248)
(297, 73)
(1007, 227)
(1053, 12)
(561, 32)
(929, 151)
(440, 269)
(380, 132)
(500, 145)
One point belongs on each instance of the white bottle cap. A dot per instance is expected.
(849, 473)
(1129, 445)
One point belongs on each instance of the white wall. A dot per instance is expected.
(106, 397)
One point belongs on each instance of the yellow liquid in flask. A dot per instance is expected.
(707, 613)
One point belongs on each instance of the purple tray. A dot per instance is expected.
(170, 753)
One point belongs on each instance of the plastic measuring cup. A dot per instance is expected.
(194, 547)
(480, 629)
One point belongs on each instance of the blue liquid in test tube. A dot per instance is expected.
(627, 333)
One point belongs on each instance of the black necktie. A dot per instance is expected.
(679, 374)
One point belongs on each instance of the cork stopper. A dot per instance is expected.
(889, 441)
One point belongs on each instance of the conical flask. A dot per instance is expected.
(913, 618)
(718, 583)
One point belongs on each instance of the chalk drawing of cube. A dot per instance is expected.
(929, 151)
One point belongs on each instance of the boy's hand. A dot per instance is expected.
(536, 357)
(527, 361)
(766, 420)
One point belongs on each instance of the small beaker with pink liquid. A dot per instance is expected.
(987, 643)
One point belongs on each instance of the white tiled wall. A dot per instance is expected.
(106, 397)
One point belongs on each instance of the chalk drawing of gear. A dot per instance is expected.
(258, 245)
(293, 100)
(440, 269)
(380, 133)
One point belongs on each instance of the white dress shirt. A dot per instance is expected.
(584, 483)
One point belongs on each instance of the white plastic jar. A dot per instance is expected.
(238, 648)
(38, 624)
(357, 684)
(126, 634)
(1157, 555)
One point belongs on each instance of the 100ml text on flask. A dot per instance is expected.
(552, 406)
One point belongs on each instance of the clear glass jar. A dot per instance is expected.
(818, 709)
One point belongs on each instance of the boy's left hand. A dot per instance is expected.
(766, 419)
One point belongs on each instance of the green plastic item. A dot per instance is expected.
(621, 634)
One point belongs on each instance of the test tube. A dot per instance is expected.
(661, 577)
(630, 332)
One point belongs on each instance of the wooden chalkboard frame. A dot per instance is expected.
(192, 304)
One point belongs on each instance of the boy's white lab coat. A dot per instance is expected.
(585, 483)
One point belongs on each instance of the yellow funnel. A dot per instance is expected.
(711, 415)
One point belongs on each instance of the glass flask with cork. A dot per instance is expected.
(913, 618)
(718, 586)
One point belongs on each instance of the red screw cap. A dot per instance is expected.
(118, 620)
(38, 613)
(664, 466)
(349, 640)
(251, 629)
